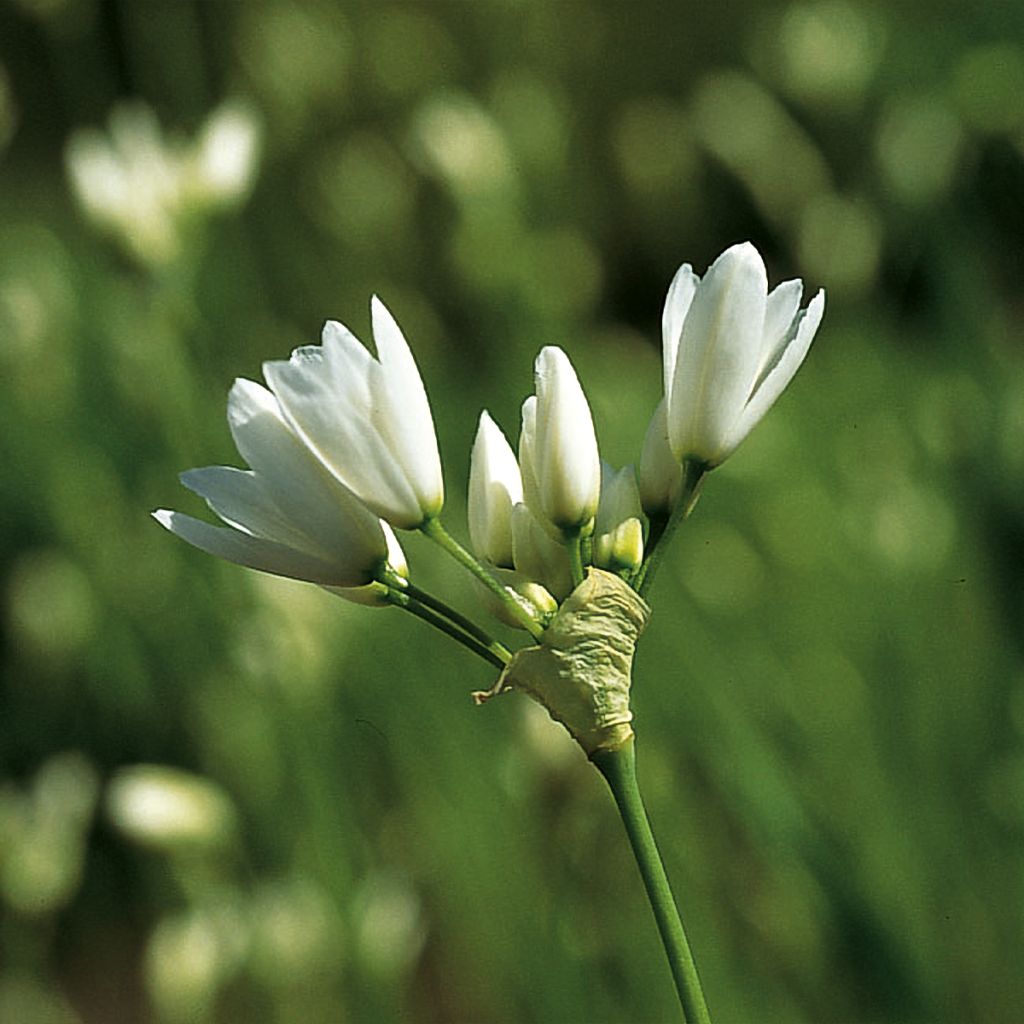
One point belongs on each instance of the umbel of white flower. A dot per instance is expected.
(342, 448)
(730, 348)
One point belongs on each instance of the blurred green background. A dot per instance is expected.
(830, 698)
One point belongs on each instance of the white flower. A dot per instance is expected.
(495, 486)
(539, 557)
(558, 449)
(287, 515)
(660, 475)
(143, 187)
(130, 182)
(618, 530)
(367, 419)
(730, 348)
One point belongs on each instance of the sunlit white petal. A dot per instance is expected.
(677, 305)
(296, 481)
(257, 552)
(779, 375)
(408, 422)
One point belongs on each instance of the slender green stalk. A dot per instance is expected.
(497, 654)
(433, 529)
(693, 478)
(575, 546)
(446, 610)
(619, 769)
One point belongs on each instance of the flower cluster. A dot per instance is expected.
(342, 451)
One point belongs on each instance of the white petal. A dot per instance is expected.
(241, 499)
(718, 354)
(677, 305)
(660, 474)
(780, 313)
(396, 556)
(298, 482)
(782, 372)
(254, 552)
(620, 499)
(527, 456)
(330, 396)
(407, 422)
(495, 485)
(565, 458)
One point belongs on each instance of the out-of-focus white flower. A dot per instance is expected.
(164, 806)
(618, 529)
(660, 475)
(537, 555)
(367, 419)
(730, 348)
(142, 187)
(130, 182)
(495, 487)
(558, 449)
(287, 515)
(226, 152)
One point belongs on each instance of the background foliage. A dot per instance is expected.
(830, 698)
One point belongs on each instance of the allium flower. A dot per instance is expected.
(287, 515)
(537, 555)
(367, 419)
(558, 448)
(618, 529)
(730, 349)
(495, 487)
(659, 475)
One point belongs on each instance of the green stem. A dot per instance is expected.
(619, 769)
(445, 610)
(693, 478)
(497, 654)
(433, 529)
(575, 546)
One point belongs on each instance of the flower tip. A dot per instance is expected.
(165, 517)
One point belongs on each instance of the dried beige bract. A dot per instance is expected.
(582, 668)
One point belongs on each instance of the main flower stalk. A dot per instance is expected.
(619, 769)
